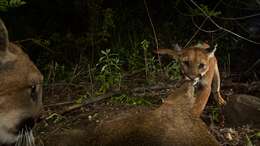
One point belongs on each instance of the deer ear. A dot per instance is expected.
(211, 51)
(173, 53)
(5, 54)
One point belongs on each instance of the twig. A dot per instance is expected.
(240, 8)
(239, 18)
(223, 18)
(154, 33)
(150, 19)
(91, 79)
(200, 27)
(132, 91)
(197, 31)
(92, 100)
(220, 27)
(59, 104)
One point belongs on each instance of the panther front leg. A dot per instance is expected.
(216, 87)
(202, 95)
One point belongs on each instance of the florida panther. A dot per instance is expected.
(20, 90)
(198, 62)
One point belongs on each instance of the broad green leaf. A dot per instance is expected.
(248, 141)
(103, 68)
(103, 52)
(257, 134)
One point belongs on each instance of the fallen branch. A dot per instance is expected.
(92, 100)
(59, 104)
(110, 94)
(220, 27)
(138, 91)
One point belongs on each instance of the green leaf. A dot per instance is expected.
(104, 67)
(257, 134)
(3, 5)
(248, 141)
(101, 58)
(16, 3)
(103, 52)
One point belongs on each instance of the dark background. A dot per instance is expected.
(74, 32)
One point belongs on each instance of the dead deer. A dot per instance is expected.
(170, 124)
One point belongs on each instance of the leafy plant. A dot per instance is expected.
(142, 59)
(135, 59)
(257, 134)
(250, 137)
(109, 72)
(173, 71)
(6, 4)
(215, 114)
(248, 141)
(151, 64)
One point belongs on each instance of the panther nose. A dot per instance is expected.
(25, 124)
(191, 77)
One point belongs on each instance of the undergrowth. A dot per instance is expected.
(109, 71)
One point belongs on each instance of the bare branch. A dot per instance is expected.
(197, 31)
(154, 33)
(220, 27)
(199, 28)
(239, 18)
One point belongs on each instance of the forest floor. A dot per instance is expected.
(67, 106)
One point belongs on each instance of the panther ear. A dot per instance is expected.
(4, 41)
(211, 51)
(5, 54)
(173, 53)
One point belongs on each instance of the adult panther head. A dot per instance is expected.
(20, 90)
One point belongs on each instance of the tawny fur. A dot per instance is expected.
(172, 124)
(17, 75)
(209, 78)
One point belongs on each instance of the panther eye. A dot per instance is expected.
(33, 93)
(201, 66)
